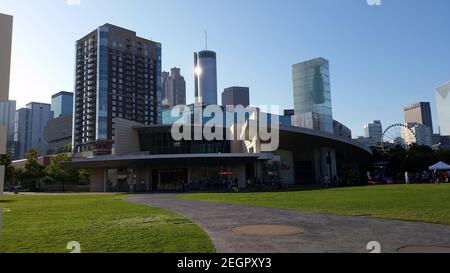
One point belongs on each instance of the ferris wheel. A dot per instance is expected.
(398, 135)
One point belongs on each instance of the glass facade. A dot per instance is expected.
(62, 104)
(167, 118)
(102, 84)
(29, 128)
(443, 108)
(312, 91)
(206, 77)
(158, 82)
(158, 141)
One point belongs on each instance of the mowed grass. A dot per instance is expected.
(101, 224)
(424, 203)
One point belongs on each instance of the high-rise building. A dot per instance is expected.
(289, 112)
(164, 77)
(312, 91)
(58, 133)
(205, 63)
(62, 104)
(236, 96)
(423, 134)
(341, 130)
(21, 132)
(29, 128)
(443, 108)
(6, 28)
(419, 113)
(118, 74)
(374, 131)
(174, 89)
(7, 116)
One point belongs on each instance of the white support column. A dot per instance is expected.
(2, 179)
(97, 177)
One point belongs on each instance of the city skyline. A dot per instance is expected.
(366, 60)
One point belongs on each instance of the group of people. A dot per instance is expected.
(335, 182)
(257, 183)
(435, 176)
(440, 177)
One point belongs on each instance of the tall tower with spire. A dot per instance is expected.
(205, 67)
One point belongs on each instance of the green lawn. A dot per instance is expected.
(104, 223)
(425, 203)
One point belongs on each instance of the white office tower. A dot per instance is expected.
(423, 134)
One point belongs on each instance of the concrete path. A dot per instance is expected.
(324, 233)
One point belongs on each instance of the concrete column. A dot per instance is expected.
(98, 180)
(105, 180)
(287, 175)
(2, 179)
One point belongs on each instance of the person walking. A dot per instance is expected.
(236, 184)
(327, 181)
(437, 177)
(407, 177)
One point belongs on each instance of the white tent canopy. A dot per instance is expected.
(440, 166)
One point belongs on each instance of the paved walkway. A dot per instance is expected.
(324, 233)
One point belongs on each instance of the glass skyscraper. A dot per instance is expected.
(205, 63)
(312, 92)
(443, 108)
(62, 104)
(29, 128)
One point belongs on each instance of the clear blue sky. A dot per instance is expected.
(381, 57)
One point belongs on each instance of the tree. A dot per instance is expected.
(58, 173)
(66, 149)
(6, 160)
(33, 170)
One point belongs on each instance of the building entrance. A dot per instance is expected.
(169, 179)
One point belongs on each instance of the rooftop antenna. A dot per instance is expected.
(206, 39)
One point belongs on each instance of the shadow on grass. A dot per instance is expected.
(7, 201)
(269, 190)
